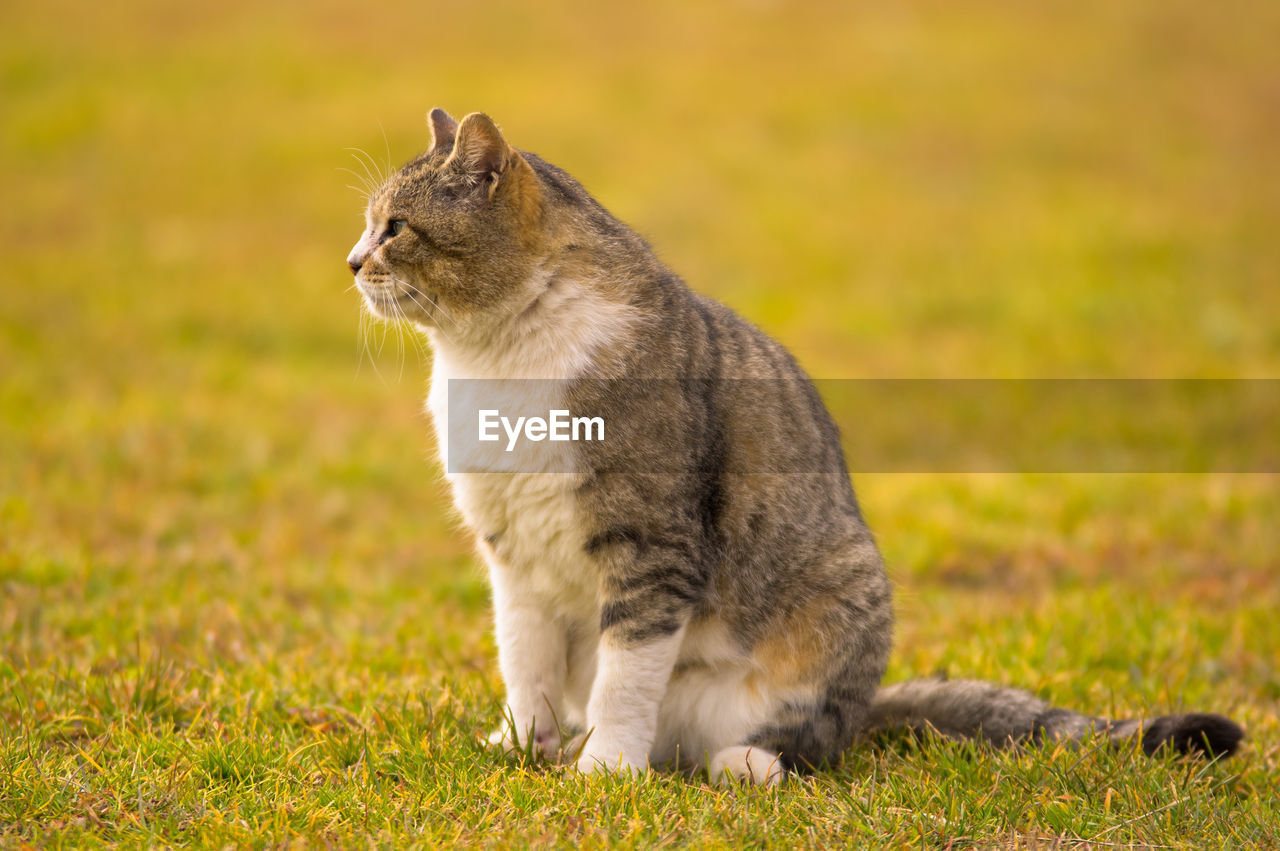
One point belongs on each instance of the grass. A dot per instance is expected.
(235, 610)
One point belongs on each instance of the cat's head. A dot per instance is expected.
(453, 238)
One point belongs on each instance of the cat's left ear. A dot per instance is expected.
(443, 130)
(480, 153)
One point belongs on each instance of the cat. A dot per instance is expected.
(679, 593)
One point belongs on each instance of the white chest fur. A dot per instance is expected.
(524, 509)
(528, 521)
(529, 524)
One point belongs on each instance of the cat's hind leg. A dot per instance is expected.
(822, 662)
(706, 723)
(715, 701)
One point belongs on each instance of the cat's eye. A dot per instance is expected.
(396, 226)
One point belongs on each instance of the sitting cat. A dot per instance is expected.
(668, 593)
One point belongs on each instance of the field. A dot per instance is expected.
(235, 609)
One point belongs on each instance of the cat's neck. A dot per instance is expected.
(557, 334)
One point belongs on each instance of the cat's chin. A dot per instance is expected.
(395, 305)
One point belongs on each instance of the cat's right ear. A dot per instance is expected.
(443, 130)
(480, 155)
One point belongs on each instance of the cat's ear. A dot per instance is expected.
(443, 130)
(480, 154)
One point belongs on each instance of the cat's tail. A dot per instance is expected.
(970, 709)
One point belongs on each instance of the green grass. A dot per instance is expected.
(234, 609)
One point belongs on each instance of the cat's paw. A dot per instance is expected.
(745, 764)
(546, 743)
(603, 759)
(501, 738)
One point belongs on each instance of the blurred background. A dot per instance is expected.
(198, 452)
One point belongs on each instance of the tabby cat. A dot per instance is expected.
(681, 595)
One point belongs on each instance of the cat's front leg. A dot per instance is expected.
(532, 655)
(622, 714)
(649, 588)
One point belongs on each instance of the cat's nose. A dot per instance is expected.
(359, 254)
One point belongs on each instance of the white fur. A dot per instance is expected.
(623, 712)
(714, 700)
(532, 656)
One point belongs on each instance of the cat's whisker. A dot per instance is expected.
(382, 339)
(386, 144)
(413, 295)
(394, 321)
(439, 326)
(359, 340)
(366, 331)
(359, 156)
(370, 319)
(401, 320)
(412, 292)
(362, 340)
(419, 344)
(363, 179)
(440, 307)
(371, 167)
